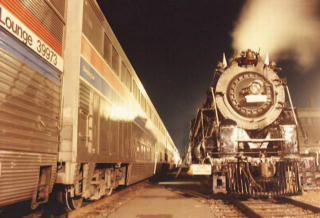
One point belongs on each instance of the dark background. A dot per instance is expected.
(174, 46)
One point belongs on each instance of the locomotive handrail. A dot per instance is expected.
(261, 140)
(215, 107)
(242, 152)
(291, 105)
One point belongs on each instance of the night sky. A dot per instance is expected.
(174, 46)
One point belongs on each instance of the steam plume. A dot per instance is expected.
(282, 28)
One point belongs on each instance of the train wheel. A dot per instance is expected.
(72, 203)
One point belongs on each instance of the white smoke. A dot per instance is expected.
(283, 28)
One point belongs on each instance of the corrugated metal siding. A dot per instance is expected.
(19, 172)
(84, 96)
(30, 108)
(59, 5)
(24, 14)
(139, 171)
(84, 102)
(46, 15)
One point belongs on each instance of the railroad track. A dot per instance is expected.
(227, 206)
(221, 206)
(274, 208)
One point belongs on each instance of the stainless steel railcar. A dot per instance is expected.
(73, 110)
(30, 90)
(245, 134)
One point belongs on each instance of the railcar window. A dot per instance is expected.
(136, 92)
(129, 79)
(143, 103)
(92, 27)
(115, 61)
(123, 75)
(149, 111)
(107, 46)
(49, 15)
(134, 89)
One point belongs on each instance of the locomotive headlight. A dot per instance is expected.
(256, 87)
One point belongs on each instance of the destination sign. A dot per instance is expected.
(29, 38)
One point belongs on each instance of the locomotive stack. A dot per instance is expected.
(245, 134)
(73, 111)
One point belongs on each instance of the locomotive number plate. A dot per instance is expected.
(256, 98)
(199, 169)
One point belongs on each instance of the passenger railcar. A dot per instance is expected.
(74, 112)
(245, 134)
(31, 67)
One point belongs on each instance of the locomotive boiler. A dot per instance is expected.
(245, 133)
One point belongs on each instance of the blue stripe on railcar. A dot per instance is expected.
(27, 56)
(93, 78)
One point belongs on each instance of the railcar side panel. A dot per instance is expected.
(30, 102)
(139, 171)
(29, 119)
(20, 174)
(121, 138)
(30, 89)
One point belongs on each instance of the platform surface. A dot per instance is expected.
(159, 201)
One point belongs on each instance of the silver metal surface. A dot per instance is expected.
(47, 16)
(30, 106)
(20, 173)
(29, 122)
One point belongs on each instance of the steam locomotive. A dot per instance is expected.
(245, 134)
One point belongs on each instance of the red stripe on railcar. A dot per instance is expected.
(15, 7)
(100, 65)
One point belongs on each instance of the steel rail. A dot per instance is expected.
(301, 204)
